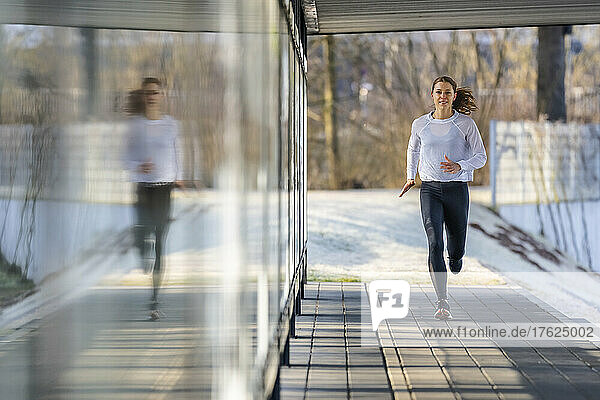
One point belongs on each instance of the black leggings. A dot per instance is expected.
(153, 209)
(444, 204)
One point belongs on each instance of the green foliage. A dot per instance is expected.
(320, 277)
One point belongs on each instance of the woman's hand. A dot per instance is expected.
(449, 166)
(146, 167)
(409, 183)
(179, 184)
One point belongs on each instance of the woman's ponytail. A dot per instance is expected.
(465, 101)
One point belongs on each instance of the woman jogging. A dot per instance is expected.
(446, 146)
(154, 158)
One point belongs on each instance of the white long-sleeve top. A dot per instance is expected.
(155, 141)
(456, 137)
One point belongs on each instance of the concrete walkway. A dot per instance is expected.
(336, 355)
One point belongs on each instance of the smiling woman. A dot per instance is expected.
(446, 147)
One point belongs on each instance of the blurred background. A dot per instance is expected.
(539, 101)
(366, 89)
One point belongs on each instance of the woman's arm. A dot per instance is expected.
(412, 153)
(178, 152)
(412, 158)
(479, 158)
(133, 147)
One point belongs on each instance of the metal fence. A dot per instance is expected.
(544, 179)
(535, 162)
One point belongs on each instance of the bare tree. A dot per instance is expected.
(329, 113)
(90, 59)
(551, 102)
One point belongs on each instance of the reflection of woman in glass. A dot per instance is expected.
(153, 157)
(446, 146)
(134, 104)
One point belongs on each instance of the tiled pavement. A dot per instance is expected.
(336, 355)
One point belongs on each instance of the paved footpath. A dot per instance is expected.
(335, 355)
(103, 346)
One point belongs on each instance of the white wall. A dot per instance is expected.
(545, 179)
(573, 227)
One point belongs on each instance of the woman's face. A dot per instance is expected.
(443, 95)
(152, 96)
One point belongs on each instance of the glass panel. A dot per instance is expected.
(157, 218)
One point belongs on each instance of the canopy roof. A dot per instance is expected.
(322, 16)
(363, 16)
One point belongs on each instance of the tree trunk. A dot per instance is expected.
(90, 57)
(551, 104)
(329, 117)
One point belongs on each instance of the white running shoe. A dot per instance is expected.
(443, 310)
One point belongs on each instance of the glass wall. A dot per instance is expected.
(151, 229)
